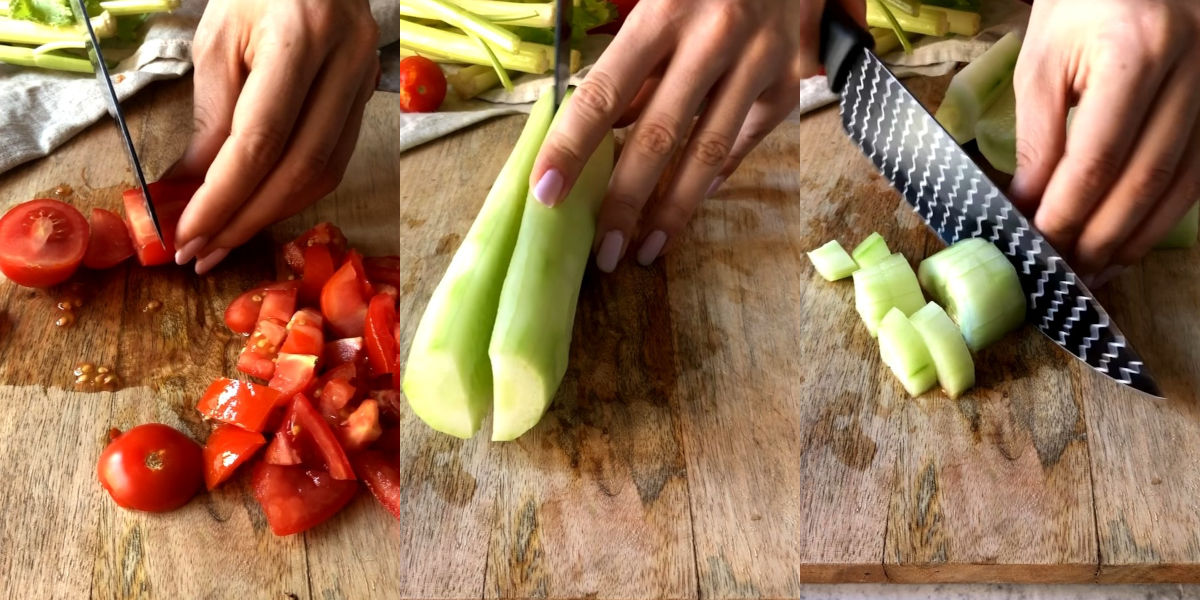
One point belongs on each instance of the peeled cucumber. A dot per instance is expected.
(889, 284)
(871, 251)
(832, 261)
(531, 340)
(448, 377)
(976, 86)
(1183, 235)
(996, 132)
(904, 351)
(978, 287)
(951, 357)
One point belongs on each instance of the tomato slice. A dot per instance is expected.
(297, 498)
(237, 402)
(278, 304)
(378, 334)
(293, 374)
(109, 244)
(304, 334)
(383, 270)
(258, 357)
(282, 451)
(318, 268)
(343, 302)
(345, 350)
(242, 314)
(228, 447)
(361, 428)
(169, 198)
(322, 234)
(42, 242)
(314, 438)
(381, 473)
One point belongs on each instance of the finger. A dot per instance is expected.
(650, 147)
(597, 103)
(262, 123)
(218, 77)
(765, 115)
(1041, 125)
(635, 108)
(1123, 84)
(1147, 176)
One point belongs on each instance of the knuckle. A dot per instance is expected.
(261, 147)
(597, 97)
(565, 154)
(655, 138)
(1054, 222)
(1149, 184)
(1028, 154)
(674, 214)
(624, 207)
(1093, 170)
(712, 148)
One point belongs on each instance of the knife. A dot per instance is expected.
(79, 7)
(955, 199)
(562, 48)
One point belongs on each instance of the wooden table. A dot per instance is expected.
(725, 429)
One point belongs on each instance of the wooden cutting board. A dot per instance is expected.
(725, 429)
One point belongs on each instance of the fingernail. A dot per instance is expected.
(188, 251)
(549, 187)
(651, 247)
(714, 186)
(610, 251)
(211, 260)
(1108, 275)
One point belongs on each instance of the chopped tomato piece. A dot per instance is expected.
(258, 357)
(361, 427)
(42, 242)
(297, 498)
(314, 438)
(345, 350)
(381, 473)
(343, 302)
(304, 334)
(228, 447)
(109, 244)
(322, 234)
(242, 314)
(236, 402)
(318, 268)
(383, 270)
(282, 451)
(169, 198)
(337, 393)
(278, 304)
(360, 272)
(381, 345)
(293, 373)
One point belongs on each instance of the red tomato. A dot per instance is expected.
(304, 333)
(278, 304)
(151, 467)
(258, 357)
(381, 473)
(42, 242)
(242, 314)
(377, 334)
(297, 498)
(293, 374)
(236, 402)
(109, 244)
(336, 394)
(343, 302)
(227, 448)
(422, 85)
(623, 7)
(282, 451)
(169, 198)
(318, 268)
(322, 234)
(315, 440)
(345, 350)
(361, 427)
(383, 269)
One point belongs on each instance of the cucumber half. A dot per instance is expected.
(978, 287)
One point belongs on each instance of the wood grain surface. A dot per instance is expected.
(725, 429)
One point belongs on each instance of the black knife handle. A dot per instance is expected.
(841, 40)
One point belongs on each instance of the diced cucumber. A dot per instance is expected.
(832, 262)
(1185, 232)
(889, 284)
(871, 251)
(996, 132)
(955, 368)
(976, 86)
(978, 287)
(903, 350)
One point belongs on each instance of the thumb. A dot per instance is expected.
(1042, 97)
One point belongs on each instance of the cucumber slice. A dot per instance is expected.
(884, 286)
(903, 350)
(975, 87)
(996, 132)
(832, 262)
(978, 287)
(1183, 235)
(952, 359)
(871, 251)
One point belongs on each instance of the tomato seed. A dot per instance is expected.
(82, 379)
(152, 306)
(83, 368)
(67, 320)
(102, 370)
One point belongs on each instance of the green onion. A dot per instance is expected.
(979, 288)
(894, 26)
(903, 350)
(929, 21)
(469, 23)
(889, 284)
(498, 68)
(531, 58)
(871, 251)
(952, 359)
(448, 377)
(832, 262)
(1183, 235)
(976, 86)
(996, 131)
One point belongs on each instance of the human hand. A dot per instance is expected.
(280, 89)
(1130, 168)
(735, 64)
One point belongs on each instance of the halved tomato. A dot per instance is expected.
(305, 333)
(381, 473)
(237, 402)
(227, 448)
(42, 242)
(169, 198)
(109, 244)
(318, 268)
(293, 374)
(297, 498)
(378, 334)
(314, 438)
(242, 314)
(322, 234)
(343, 302)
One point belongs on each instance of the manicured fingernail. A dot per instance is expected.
(1108, 275)
(549, 187)
(651, 248)
(610, 251)
(188, 251)
(714, 186)
(211, 260)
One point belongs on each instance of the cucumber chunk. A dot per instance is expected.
(903, 350)
(871, 251)
(951, 357)
(889, 284)
(996, 132)
(832, 262)
(976, 86)
(978, 287)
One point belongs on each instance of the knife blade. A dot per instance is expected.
(564, 11)
(79, 8)
(957, 201)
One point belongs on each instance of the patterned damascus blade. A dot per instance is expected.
(949, 191)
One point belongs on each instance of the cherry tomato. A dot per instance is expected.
(318, 268)
(169, 198)
(343, 302)
(381, 473)
(227, 448)
(422, 85)
(322, 234)
(240, 403)
(293, 374)
(304, 334)
(109, 244)
(42, 242)
(299, 497)
(623, 7)
(242, 314)
(151, 467)
(377, 334)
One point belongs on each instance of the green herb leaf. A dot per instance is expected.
(55, 13)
